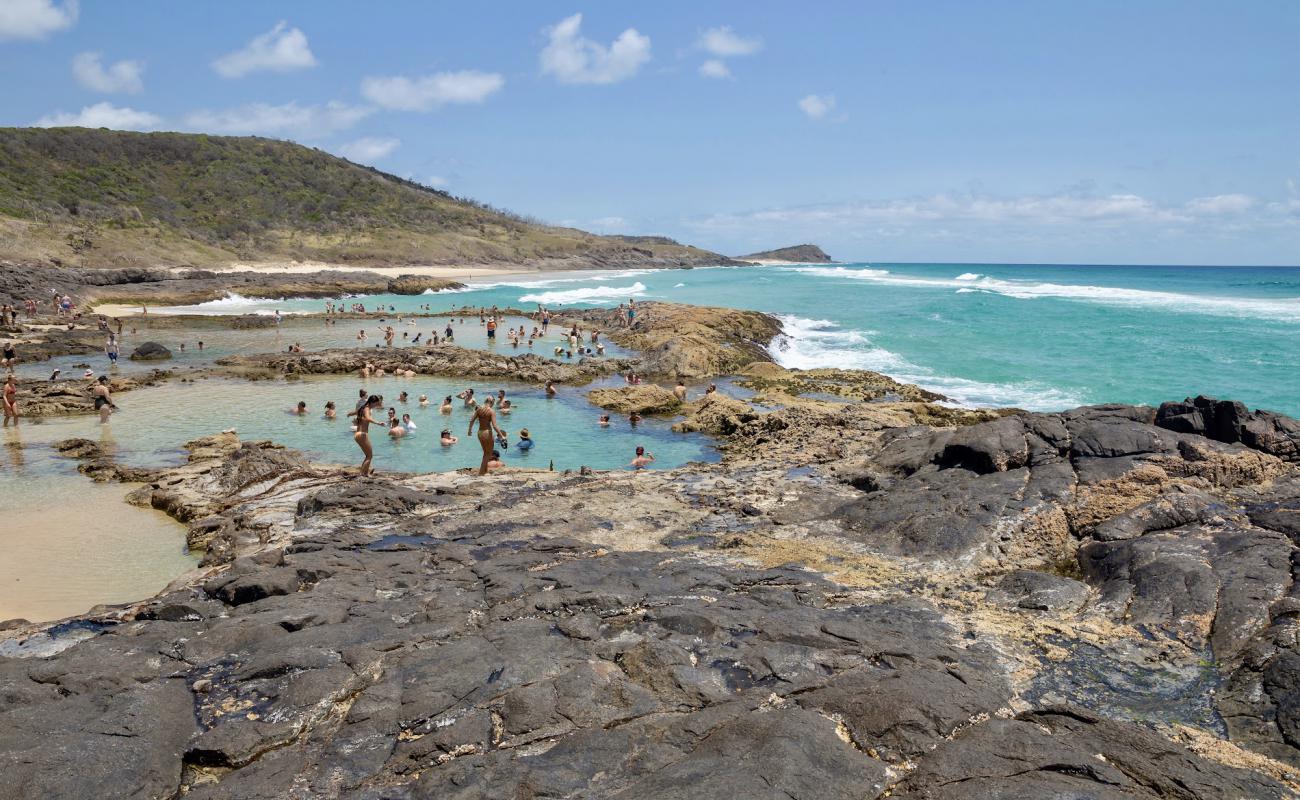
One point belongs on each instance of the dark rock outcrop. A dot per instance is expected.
(150, 351)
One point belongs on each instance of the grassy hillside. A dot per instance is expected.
(803, 253)
(84, 197)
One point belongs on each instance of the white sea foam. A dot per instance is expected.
(1284, 309)
(543, 283)
(968, 276)
(584, 295)
(678, 285)
(966, 290)
(818, 343)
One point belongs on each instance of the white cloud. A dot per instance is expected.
(102, 115)
(280, 49)
(369, 149)
(570, 58)
(1105, 211)
(290, 118)
(431, 91)
(724, 42)
(1221, 204)
(437, 181)
(713, 68)
(35, 19)
(124, 76)
(817, 106)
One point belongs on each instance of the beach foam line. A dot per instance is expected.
(543, 283)
(232, 303)
(819, 344)
(572, 296)
(1285, 309)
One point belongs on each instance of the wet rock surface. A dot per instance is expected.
(439, 359)
(681, 341)
(150, 351)
(1084, 604)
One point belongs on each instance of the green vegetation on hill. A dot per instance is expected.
(804, 253)
(109, 198)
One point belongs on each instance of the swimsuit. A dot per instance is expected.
(100, 402)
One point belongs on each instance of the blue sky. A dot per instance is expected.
(1100, 132)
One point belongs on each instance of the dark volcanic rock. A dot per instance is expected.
(1230, 421)
(150, 351)
(1026, 607)
(1068, 753)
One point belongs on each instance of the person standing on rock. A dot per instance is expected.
(488, 432)
(11, 400)
(10, 359)
(362, 436)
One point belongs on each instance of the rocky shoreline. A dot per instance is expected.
(873, 594)
(902, 610)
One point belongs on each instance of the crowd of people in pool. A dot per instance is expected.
(485, 416)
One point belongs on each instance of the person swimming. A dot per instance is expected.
(395, 429)
(445, 408)
(633, 418)
(409, 424)
(468, 397)
(642, 459)
(424, 400)
(486, 420)
(604, 421)
(525, 441)
(446, 439)
(679, 391)
(494, 463)
(550, 389)
(301, 409)
(362, 435)
(330, 412)
(402, 397)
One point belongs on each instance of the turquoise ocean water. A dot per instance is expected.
(1042, 337)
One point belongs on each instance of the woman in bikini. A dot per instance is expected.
(362, 436)
(487, 431)
(11, 400)
(103, 395)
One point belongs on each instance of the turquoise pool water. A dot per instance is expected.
(1043, 337)
(154, 422)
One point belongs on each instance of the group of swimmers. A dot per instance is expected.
(485, 416)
